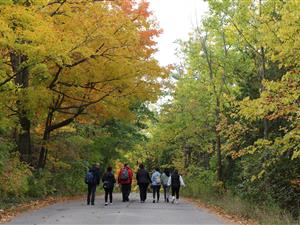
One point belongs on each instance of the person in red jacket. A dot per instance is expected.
(125, 180)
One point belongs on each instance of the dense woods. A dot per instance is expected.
(77, 79)
(232, 125)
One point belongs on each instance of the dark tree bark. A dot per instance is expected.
(46, 137)
(22, 80)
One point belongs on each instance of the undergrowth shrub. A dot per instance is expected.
(14, 179)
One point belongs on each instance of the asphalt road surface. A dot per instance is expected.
(133, 212)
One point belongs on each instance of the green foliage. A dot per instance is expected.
(70, 181)
(202, 184)
(41, 184)
(5, 148)
(231, 126)
(14, 178)
(238, 92)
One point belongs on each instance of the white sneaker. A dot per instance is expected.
(106, 203)
(173, 199)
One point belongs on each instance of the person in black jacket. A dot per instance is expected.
(109, 181)
(175, 181)
(92, 185)
(143, 180)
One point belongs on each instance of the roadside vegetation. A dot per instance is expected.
(76, 88)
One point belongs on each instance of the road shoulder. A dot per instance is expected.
(7, 215)
(220, 213)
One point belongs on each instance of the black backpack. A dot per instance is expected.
(175, 180)
(108, 181)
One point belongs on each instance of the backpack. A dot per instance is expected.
(175, 180)
(106, 184)
(89, 177)
(124, 174)
(108, 180)
(164, 179)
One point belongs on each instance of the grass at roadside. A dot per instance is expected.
(238, 208)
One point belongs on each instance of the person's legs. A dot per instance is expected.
(128, 190)
(106, 195)
(93, 194)
(123, 192)
(142, 192)
(173, 193)
(177, 193)
(168, 193)
(165, 192)
(145, 191)
(111, 194)
(153, 191)
(158, 192)
(89, 194)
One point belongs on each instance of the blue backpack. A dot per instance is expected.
(89, 177)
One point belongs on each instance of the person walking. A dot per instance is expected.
(109, 181)
(143, 180)
(164, 180)
(175, 181)
(156, 184)
(125, 180)
(92, 179)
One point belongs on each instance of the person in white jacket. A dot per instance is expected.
(175, 181)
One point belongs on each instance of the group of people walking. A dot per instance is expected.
(158, 180)
(166, 180)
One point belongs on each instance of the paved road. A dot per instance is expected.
(76, 212)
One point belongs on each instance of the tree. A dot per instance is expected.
(98, 64)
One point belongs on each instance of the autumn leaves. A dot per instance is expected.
(73, 60)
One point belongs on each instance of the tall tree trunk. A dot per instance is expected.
(49, 127)
(187, 155)
(218, 105)
(22, 80)
(262, 71)
(218, 141)
(46, 137)
(263, 76)
(43, 152)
